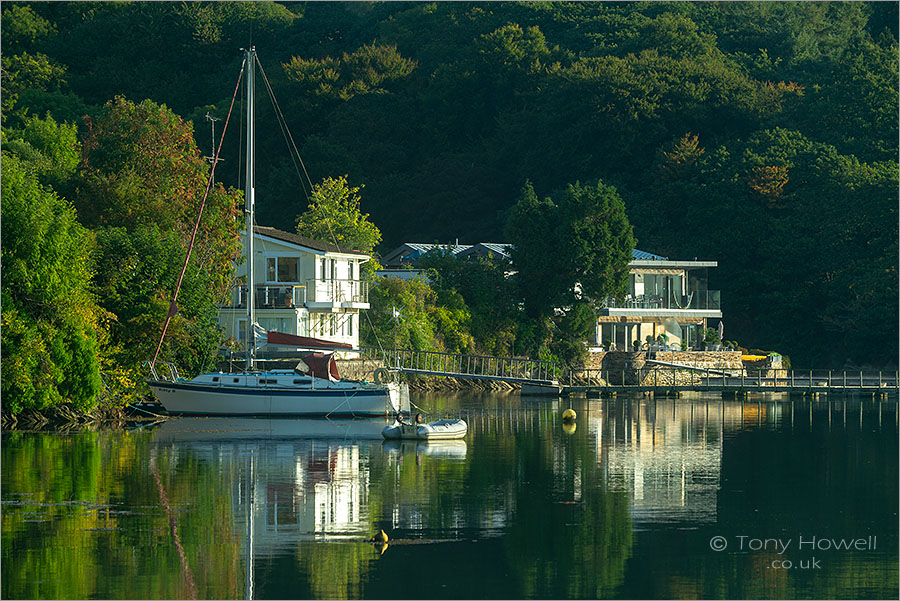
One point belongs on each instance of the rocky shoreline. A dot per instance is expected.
(66, 418)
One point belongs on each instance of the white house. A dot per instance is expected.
(302, 287)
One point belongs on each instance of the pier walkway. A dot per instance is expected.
(549, 377)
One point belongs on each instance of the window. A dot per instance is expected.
(216, 379)
(288, 269)
(350, 266)
(333, 269)
(282, 269)
(350, 325)
(322, 269)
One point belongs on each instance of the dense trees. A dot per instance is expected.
(52, 326)
(139, 188)
(762, 135)
(85, 293)
(569, 255)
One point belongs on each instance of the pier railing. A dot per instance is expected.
(482, 367)
(776, 380)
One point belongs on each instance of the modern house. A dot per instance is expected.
(302, 287)
(665, 298)
(668, 299)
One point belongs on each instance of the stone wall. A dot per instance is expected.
(613, 360)
(617, 367)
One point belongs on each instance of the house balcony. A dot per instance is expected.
(314, 294)
(700, 300)
(342, 292)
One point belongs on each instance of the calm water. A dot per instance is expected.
(628, 505)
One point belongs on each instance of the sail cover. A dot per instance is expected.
(320, 365)
(305, 341)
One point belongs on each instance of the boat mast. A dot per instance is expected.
(249, 201)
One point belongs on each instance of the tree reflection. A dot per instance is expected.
(83, 519)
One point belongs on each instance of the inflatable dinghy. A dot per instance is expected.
(442, 429)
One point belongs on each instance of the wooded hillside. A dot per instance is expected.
(761, 135)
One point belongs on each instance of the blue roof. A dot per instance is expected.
(640, 254)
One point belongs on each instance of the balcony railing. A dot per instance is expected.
(270, 296)
(280, 296)
(337, 291)
(702, 299)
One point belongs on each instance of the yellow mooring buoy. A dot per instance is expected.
(568, 415)
(381, 537)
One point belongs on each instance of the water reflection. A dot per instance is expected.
(665, 455)
(292, 479)
(524, 507)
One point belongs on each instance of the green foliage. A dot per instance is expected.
(569, 256)
(50, 150)
(369, 70)
(491, 297)
(334, 216)
(24, 72)
(414, 328)
(23, 26)
(51, 327)
(140, 188)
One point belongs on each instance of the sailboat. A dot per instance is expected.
(314, 390)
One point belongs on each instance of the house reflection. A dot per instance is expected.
(293, 479)
(331, 491)
(666, 454)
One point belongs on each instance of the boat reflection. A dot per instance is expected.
(195, 430)
(455, 449)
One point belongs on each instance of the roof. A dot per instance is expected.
(410, 251)
(640, 254)
(299, 240)
(489, 248)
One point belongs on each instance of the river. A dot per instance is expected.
(693, 497)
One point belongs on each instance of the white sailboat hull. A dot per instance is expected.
(190, 398)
